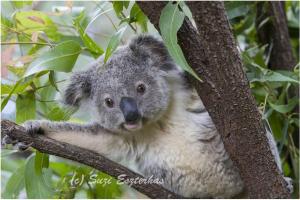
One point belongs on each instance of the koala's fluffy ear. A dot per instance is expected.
(146, 46)
(79, 88)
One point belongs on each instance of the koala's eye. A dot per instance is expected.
(141, 88)
(109, 102)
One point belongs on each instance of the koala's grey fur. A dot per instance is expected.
(177, 141)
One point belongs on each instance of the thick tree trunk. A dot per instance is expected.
(212, 53)
(275, 33)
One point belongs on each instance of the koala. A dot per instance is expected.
(145, 113)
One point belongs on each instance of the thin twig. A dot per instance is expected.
(134, 29)
(13, 43)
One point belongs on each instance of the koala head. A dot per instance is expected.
(131, 89)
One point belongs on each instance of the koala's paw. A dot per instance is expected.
(34, 128)
(21, 146)
(289, 183)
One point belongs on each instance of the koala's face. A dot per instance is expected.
(130, 90)
(129, 93)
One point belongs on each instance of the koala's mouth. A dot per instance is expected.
(133, 126)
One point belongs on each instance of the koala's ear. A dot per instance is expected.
(146, 46)
(79, 88)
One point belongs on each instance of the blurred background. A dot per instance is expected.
(35, 31)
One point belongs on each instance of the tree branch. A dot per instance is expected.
(275, 33)
(212, 53)
(92, 159)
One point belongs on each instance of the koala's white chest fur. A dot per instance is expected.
(185, 150)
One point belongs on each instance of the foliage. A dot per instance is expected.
(170, 21)
(52, 43)
(272, 89)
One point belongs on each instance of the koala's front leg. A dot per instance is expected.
(90, 136)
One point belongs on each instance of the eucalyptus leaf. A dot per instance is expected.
(52, 80)
(6, 99)
(58, 113)
(21, 4)
(236, 9)
(6, 24)
(25, 107)
(19, 71)
(137, 15)
(61, 58)
(285, 108)
(61, 168)
(114, 42)
(19, 86)
(41, 161)
(272, 76)
(102, 191)
(5, 88)
(7, 152)
(33, 21)
(38, 186)
(170, 21)
(14, 184)
(92, 46)
(119, 6)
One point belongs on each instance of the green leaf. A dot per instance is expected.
(295, 121)
(10, 165)
(6, 24)
(14, 184)
(102, 191)
(20, 86)
(186, 11)
(6, 99)
(285, 108)
(92, 46)
(272, 76)
(118, 7)
(114, 42)
(33, 21)
(38, 186)
(236, 8)
(61, 58)
(61, 168)
(21, 4)
(41, 161)
(276, 123)
(57, 113)
(5, 88)
(52, 80)
(19, 71)
(7, 152)
(136, 15)
(170, 21)
(25, 107)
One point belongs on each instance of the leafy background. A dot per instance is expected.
(42, 42)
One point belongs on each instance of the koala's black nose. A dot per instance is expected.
(130, 110)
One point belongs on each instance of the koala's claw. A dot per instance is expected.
(23, 146)
(289, 183)
(8, 140)
(33, 128)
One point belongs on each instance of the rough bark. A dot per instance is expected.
(212, 53)
(275, 33)
(92, 159)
